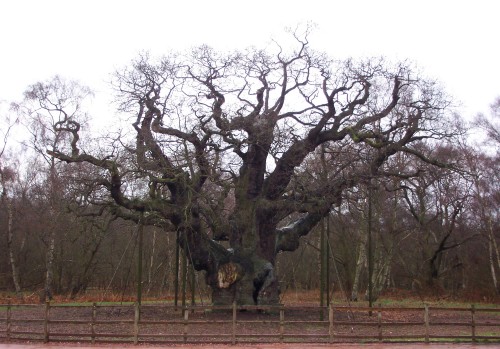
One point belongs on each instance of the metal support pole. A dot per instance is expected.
(140, 237)
(176, 281)
(370, 248)
(327, 246)
(184, 272)
(322, 273)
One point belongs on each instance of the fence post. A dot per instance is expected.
(186, 321)
(46, 322)
(330, 320)
(137, 312)
(473, 321)
(233, 335)
(426, 322)
(379, 323)
(92, 324)
(282, 324)
(8, 321)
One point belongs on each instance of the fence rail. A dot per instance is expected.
(162, 323)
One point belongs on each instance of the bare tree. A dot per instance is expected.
(248, 121)
(7, 178)
(485, 169)
(491, 124)
(436, 200)
(45, 108)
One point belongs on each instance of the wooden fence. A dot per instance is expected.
(161, 323)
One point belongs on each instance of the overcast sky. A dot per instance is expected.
(456, 42)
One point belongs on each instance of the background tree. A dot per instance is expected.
(45, 108)
(436, 201)
(7, 179)
(485, 167)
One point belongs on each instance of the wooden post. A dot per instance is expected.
(473, 321)
(282, 324)
(330, 320)
(137, 312)
(46, 322)
(233, 335)
(426, 322)
(92, 324)
(379, 323)
(8, 321)
(186, 321)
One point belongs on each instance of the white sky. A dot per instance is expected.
(456, 42)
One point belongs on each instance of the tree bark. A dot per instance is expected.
(360, 264)
(10, 236)
(49, 266)
(151, 262)
(492, 267)
(493, 252)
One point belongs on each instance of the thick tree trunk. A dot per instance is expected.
(250, 281)
(243, 273)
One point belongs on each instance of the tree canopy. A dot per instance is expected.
(225, 145)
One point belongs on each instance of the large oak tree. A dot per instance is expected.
(221, 141)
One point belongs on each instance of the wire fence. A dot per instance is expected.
(164, 323)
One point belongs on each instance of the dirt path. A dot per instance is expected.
(261, 346)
